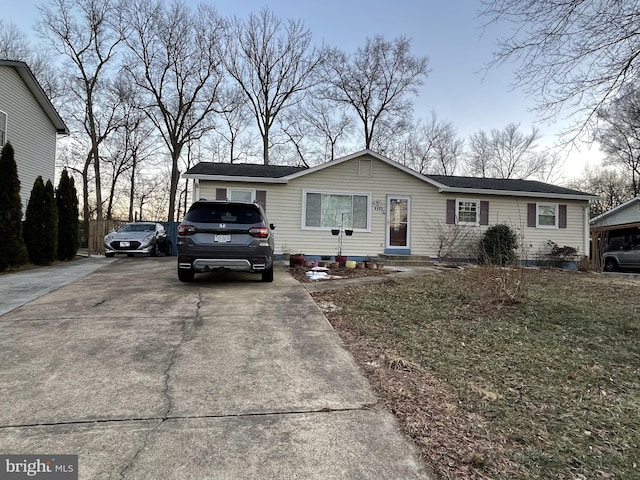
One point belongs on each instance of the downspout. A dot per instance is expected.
(196, 190)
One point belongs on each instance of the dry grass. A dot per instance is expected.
(514, 374)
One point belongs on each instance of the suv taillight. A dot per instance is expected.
(260, 232)
(186, 230)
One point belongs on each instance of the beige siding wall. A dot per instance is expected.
(427, 216)
(513, 212)
(29, 131)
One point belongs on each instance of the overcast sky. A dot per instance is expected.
(449, 33)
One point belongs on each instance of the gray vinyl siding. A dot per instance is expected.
(630, 214)
(427, 215)
(29, 131)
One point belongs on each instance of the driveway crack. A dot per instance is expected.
(165, 391)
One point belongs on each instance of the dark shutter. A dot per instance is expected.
(484, 213)
(261, 198)
(221, 193)
(451, 211)
(562, 216)
(531, 214)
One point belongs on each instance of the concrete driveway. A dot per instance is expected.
(227, 378)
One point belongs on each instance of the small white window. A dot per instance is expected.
(3, 128)
(547, 215)
(467, 212)
(241, 194)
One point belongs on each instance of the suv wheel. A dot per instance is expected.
(610, 265)
(185, 275)
(267, 275)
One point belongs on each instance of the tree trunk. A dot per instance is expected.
(265, 146)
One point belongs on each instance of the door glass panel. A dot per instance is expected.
(398, 218)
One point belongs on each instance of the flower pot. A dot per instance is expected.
(360, 265)
(350, 264)
(341, 259)
(296, 260)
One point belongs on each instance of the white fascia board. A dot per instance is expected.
(517, 193)
(227, 178)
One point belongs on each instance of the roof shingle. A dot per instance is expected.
(256, 170)
(503, 184)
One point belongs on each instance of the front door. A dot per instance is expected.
(398, 224)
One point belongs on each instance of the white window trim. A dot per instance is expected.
(547, 204)
(457, 211)
(240, 189)
(334, 192)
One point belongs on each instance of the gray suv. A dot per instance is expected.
(225, 236)
(628, 256)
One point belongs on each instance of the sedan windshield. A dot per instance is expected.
(137, 227)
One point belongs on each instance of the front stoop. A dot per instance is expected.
(396, 260)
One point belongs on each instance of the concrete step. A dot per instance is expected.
(405, 260)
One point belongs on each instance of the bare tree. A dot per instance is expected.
(176, 59)
(433, 146)
(574, 53)
(376, 82)
(14, 44)
(314, 128)
(235, 117)
(273, 64)
(620, 136)
(330, 124)
(610, 185)
(80, 30)
(508, 153)
(129, 147)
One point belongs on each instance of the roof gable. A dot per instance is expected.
(38, 93)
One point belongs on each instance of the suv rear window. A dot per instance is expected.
(223, 214)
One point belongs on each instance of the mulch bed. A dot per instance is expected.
(300, 273)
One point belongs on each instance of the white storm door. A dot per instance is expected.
(398, 222)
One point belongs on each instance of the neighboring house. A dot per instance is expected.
(30, 123)
(617, 227)
(395, 210)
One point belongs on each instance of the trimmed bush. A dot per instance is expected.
(68, 225)
(41, 224)
(498, 245)
(13, 252)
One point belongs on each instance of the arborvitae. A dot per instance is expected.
(13, 251)
(41, 224)
(67, 202)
